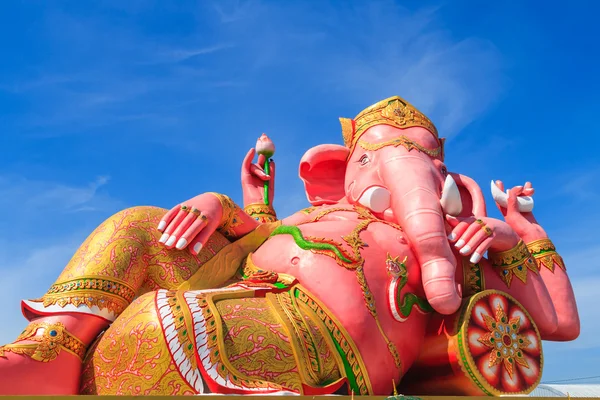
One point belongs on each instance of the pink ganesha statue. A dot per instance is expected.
(394, 279)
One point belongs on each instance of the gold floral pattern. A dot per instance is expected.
(308, 210)
(183, 326)
(258, 208)
(393, 111)
(483, 321)
(515, 255)
(401, 141)
(301, 335)
(49, 344)
(473, 278)
(132, 357)
(545, 255)
(504, 339)
(230, 218)
(234, 331)
(122, 259)
(344, 342)
(514, 262)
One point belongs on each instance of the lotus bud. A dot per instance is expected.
(265, 146)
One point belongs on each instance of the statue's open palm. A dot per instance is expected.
(254, 177)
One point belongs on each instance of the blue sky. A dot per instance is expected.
(110, 104)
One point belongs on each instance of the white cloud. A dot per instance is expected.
(27, 272)
(22, 195)
(47, 224)
(358, 54)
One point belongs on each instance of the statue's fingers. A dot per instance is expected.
(256, 170)
(272, 172)
(192, 231)
(168, 217)
(528, 189)
(468, 234)
(478, 237)
(271, 182)
(174, 239)
(201, 238)
(248, 162)
(459, 226)
(180, 216)
(512, 205)
(481, 249)
(261, 159)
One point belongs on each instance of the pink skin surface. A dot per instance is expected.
(253, 177)
(430, 241)
(415, 181)
(558, 283)
(60, 376)
(341, 293)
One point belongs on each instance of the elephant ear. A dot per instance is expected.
(323, 171)
(473, 202)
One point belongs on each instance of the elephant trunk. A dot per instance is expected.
(415, 202)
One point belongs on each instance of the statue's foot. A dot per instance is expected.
(46, 358)
(20, 374)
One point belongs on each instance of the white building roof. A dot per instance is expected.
(574, 390)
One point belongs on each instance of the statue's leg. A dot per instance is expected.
(118, 262)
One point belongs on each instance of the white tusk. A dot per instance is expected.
(376, 198)
(524, 203)
(451, 201)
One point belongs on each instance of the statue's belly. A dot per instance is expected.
(321, 274)
(336, 283)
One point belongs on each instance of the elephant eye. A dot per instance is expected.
(444, 171)
(364, 159)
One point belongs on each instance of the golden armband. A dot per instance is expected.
(230, 218)
(513, 262)
(261, 212)
(544, 254)
(49, 345)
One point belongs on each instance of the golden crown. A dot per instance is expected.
(393, 111)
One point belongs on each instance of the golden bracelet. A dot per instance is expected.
(264, 218)
(513, 262)
(258, 208)
(229, 219)
(49, 345)
(544, 254)
(509, 257)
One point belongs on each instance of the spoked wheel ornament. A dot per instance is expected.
(500, 346)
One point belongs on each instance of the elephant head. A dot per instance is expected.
(392, 163)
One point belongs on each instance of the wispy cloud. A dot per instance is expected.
(360, 53)
(27, 273)
(179, 55)
(43, 224)
(19, 193)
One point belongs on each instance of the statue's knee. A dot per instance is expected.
(144, 217)
(141, 212)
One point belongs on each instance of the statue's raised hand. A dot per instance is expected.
(474, 236)
(523, 222)
(254, 178)
(191, 223)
